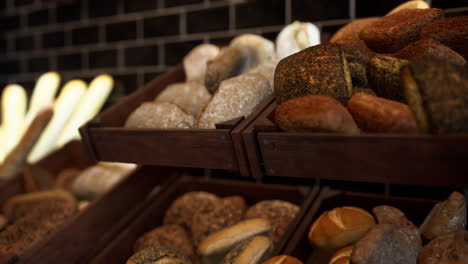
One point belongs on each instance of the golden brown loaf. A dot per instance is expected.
(283, 259)
(429, 48)
(252, 251)
(340, 227)
(318, 70)
(448, 247)
(342, 256)
(152, 255)
(378, 115)
(315, 113)
(159, 115)
(280, 214)
(394, 32)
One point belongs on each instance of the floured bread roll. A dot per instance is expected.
(159, 115)
(258, 48)
(100, 178)
(296, 37)
(195, 61)
(235, 97)
(190, 96)
(267, 70)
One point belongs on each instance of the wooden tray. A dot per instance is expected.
(415, 209)
(121, 248)
(91, 229)
(108, 140)
(393, 159)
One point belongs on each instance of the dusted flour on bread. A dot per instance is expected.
(159, 115)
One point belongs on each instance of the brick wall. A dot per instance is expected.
(135, 40)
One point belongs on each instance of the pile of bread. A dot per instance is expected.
(223, 84)
(50, 201)
(200, 227)
(402, 73)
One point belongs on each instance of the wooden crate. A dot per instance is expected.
(386, 158)
(121, 248)
(299, 246)
(86, 233)
(108, 140)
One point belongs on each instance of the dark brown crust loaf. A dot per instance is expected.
(452, 32)
(315, 113)
(379, 115)
(429, 48)
(318, 70)
(348, 38)
(279, 213)
(449, 247)
(393, 32)
(169, 236)
(437, 93)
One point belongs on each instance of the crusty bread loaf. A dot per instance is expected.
(446, 248)
(315, 113)
(195, 61)
(393, 32)
(153, 255)
(340, 227)
(252, 251)
(429, 48)
(378, 115)
(452, 32)
(283, 259)
(190, 96)
(318, 70)
(159, 115)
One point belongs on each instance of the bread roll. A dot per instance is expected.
(152, 255)
(280, 214)
(267, 70)
(411, 4)
(189, 96)
(159, 115)
(340, 227)
(342, 256)
(315, 113)
(66, 178)
(296, 37)
(235, 97)
(448, 247)
(258, 48)
(445, 217)
(429, 48)
(252, 251)
(379, 115)
(318, 70)
(393, 32)
(195, 61)
(357, 69)
(283, 259)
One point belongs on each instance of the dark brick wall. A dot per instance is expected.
(136, 40)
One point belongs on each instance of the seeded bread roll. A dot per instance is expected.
(318, 70)
(283, 259)
(153, 255)
(448, 247)
(340, 227)
(280, 214)
(228, 211)
(452, 32)
(195, 61)
(315, 113)
(429, 48)
(252, 251)
(342, 256)
(411, 4)
(159, 115)
(190, 96)
(394, 32)
(436, 92)
(183, 209)
(378, 115)
(167, 236)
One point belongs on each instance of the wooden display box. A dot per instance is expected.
(385, 158)
(299, 246)
(121, 248)
(108, 140)
(91, 229)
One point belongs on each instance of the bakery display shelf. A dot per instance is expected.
(427, 160)
(108, 140)
(121, 248)
(89, 230)
(299, 246)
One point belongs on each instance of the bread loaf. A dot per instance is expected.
(318, 70)
(258, 48)
(394, 32)
(152, 255)
(195, 61)
(315, 113)
(430, 49)
(159, 115)
(411, 4)
(342, 256)
(296, 37)
(252, 251)
(448, 247)
(378, 115)
(283, 259)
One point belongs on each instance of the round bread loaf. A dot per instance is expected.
(183, 209)
(342, 256)
(153, 255)
(228, 211)
(315, 113)
(379, 115)
(280, 214)
(159, 115)
(283, 259)
(396, 31)
(252, 251)
(340, 227)
(195, 61)
(430, 49)
(166, 236)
